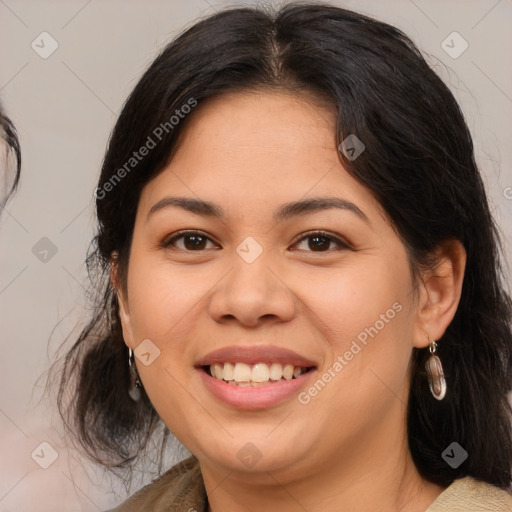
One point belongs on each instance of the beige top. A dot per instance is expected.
(182, 489)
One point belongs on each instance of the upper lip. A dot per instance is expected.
(255, 354)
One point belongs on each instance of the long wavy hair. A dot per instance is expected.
(418, 163)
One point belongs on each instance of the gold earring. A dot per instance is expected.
(436, 380)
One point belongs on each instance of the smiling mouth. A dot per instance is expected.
(259, 374)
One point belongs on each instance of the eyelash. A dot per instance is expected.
(181, 234)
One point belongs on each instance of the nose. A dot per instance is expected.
(251, 294)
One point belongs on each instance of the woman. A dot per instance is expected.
(301, 278)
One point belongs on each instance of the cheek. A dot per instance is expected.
(367, 323)
(348, 300)
(162, 303)
(161, 296)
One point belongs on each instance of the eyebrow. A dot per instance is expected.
(284, 212)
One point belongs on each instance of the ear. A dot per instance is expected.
(439, 293)
(122, 299)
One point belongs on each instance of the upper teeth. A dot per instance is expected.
(260, 372)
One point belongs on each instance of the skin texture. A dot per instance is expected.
(347, 448)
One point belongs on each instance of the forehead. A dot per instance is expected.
(257, 148)
(259, 121)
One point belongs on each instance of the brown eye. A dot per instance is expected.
(192, 241)
(320, 242)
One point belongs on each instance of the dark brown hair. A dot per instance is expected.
(10, 174)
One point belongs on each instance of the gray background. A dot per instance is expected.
(64, 107)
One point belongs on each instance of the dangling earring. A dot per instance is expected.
(135, 383)
(436, 380)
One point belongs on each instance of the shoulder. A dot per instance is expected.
(470, 494)
(180, 488)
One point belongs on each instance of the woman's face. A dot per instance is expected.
(258, 284)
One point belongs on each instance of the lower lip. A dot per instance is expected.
(257, 397)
